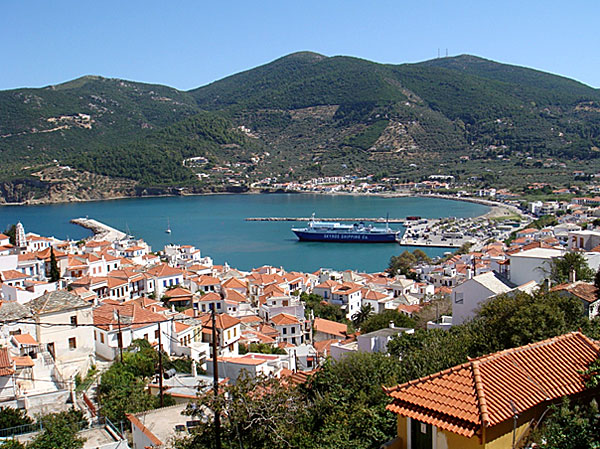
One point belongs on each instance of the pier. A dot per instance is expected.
(374, 220)
(100, 230)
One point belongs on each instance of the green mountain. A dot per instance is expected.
(299, 116)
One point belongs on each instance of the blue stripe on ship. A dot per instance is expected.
(346, 237)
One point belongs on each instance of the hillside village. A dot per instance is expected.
(111, 293)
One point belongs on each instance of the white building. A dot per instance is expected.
(532, 264)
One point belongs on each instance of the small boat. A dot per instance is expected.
(168, 230)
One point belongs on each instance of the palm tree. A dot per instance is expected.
(361, 316)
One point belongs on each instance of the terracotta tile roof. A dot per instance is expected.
(161, 270)
(273, 290)
(234, 283)
(178, 292)
(250, 319)
(234, 295)
(132, 315)
(23, 361)
(3, 237)
(373, 294)
(325, 345)
(330, 327)
(11, 275)
(181, 327)
(25, 339)
(208, 280)
(283, 319)
(327, 284)
(6, 366)
(211, 296)
(582, 290)
(222, 321)
(466, 397)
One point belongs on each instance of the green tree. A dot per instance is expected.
(317, 305)
(11, 233)
(120, 392)
(12, 417)
(520, 319)
(258, 413)
(59, 431)
(362, 315)
(382, 320)
(12, 444)
(402, 264)
(571, 425)
(421, 256)
(54, 271)
(561, 267)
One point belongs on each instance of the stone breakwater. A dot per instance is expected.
(100, 230)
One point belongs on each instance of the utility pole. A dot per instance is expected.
(120, 335)
(160, 367)
(217, 410)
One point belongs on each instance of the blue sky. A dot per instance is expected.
(186, 44)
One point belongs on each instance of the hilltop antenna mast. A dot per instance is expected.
(446, 52)
(438, 52)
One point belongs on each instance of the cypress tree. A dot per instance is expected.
(54, 271)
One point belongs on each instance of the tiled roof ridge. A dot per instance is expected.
(481, 401)
(546, 342)
(428, 377)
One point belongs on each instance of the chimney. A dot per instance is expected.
(469, 273)
(572, 276)
(194, 369)
(195, 311)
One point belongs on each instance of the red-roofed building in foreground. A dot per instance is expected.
(474, 405)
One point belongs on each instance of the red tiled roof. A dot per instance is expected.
(234, 283)
(6, 366)
(222, 321)
(23, 361)
(208, 280)
(478, 393)
(162, 270)
(283, 319)
(211, 296)
(25, 339)
(330, 327)
(10, 275)
(580, 289)
(178, 292)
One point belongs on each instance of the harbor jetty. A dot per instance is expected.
(374, 220)
(101, 231)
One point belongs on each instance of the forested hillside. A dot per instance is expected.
(299, 116)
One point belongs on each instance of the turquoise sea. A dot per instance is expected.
(215, 224)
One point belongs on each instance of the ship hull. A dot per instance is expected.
(346, 237)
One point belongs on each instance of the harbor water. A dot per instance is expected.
(216, 225)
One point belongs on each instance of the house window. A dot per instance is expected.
(156, 334)
(458, 298)
(228, 335)
(293, 340)
(74, 320)
(218, 305)
(101, 337)
(145, 336)
(234, 331)
(284, 330)
(72, 343)
(293, 330)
